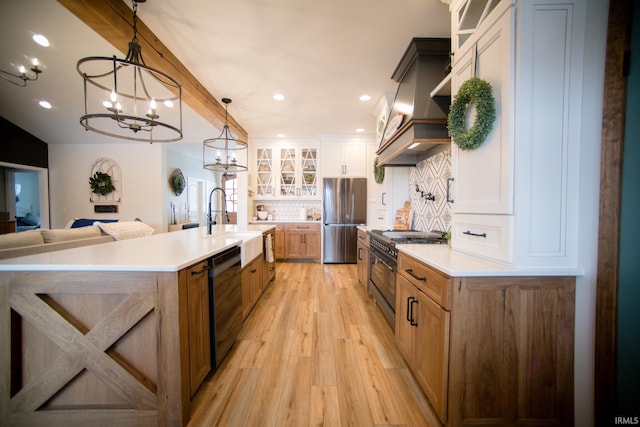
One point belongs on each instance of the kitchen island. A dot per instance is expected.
(99, 335)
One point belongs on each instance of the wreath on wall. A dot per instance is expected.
(101, 183)
(478, 92)
(378, 172)
(177, 182)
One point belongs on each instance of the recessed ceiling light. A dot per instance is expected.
(360, 130)
(45, 104)
(281, 135)
(365, 98)
(278, 97)
(41, 40)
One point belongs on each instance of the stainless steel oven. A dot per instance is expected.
(383, 262)
(382, 281)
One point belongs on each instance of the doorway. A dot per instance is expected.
(25, 195)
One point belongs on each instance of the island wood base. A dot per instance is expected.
(92, 348)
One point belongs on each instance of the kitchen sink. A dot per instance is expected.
(251, 246)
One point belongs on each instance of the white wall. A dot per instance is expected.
(145, 168)
(143, 182)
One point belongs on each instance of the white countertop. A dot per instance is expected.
(167, 252)
(459, 264)
(282, 221)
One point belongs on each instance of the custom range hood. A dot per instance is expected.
(417, 122)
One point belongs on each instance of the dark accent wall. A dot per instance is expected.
(20, 147)
(628, 341)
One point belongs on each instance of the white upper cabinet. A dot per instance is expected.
(466, 17)
(514, 197)
(287, 170)
(484, 176)
(344, 158)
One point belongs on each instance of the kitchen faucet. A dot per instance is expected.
(226, 214)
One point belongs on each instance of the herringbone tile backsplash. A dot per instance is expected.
(430, 176)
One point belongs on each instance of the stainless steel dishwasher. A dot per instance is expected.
(225, 302)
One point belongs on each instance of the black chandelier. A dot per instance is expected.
(221, 154)
(125, 98)
(22, 78)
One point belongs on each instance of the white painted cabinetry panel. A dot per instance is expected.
(516, 193)
(484, 176)
(344, 158)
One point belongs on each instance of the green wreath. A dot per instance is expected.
(101, 183)
(378, 172)
(476, 91)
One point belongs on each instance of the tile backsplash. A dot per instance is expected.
(287, 210)
(430, 176)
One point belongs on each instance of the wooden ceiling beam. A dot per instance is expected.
(113, 20)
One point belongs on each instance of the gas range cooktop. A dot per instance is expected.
(401, 237)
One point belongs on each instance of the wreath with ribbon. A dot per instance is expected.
(378, 172)
(478, 92)
(101, 183)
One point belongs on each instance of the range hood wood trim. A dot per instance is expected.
(395, 151)
(408, 125)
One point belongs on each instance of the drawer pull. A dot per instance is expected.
(413, 321)
(410, 273)
(469, 233)
(194, 273)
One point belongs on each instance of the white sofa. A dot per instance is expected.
(47, 240)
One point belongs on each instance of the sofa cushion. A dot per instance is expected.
(84, 222)
(126, 229)
(66, 234)
(25, 238)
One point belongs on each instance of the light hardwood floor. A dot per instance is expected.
(314, 351)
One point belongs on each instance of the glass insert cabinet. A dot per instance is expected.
(287, 171)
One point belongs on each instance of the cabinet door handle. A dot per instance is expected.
(384, 199)
(410, 273)
(469, 233)
(449, 181)
(409, 308)
(253, 271)
(359, 254)
(413, 321)
(194, 273)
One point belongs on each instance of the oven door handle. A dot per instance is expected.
(386, 265)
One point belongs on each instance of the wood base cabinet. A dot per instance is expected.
(302, 241)
(251, 285)
(512, 343)
(501, 356)
(197, 301)
(362, 259)
(422, 331)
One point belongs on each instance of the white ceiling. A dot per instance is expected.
(322, 55)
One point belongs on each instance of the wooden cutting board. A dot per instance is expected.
(403, 218)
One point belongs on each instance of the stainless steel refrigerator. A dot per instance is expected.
(344, 208)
